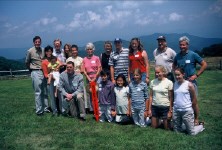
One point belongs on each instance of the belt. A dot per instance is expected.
(90, 73)
(36, 69)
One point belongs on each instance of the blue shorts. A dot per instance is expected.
(160, 111)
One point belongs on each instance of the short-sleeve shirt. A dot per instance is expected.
(34, 58)
(77, 63)
(137, 61)
(53, 66)
(188, 62)
(160, 90)
(138, 93)
(120, 62)
(164, 58)
(91, 65)
(61, 57)
(121, 99)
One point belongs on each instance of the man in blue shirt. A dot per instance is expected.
(187, 60)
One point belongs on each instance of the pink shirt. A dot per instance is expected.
(91, 65)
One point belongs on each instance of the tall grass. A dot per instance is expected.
(20, 128)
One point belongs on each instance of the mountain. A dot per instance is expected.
(7, 64)
(149, 42)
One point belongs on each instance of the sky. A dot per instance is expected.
(80, 22)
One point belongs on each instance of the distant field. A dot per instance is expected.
(214, 62)
(20, 128)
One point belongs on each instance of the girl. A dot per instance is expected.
(138, 58)
(185, 107)
(106, 97)
(138, 98)
(67, 51)
(161, 92)
(121, 91)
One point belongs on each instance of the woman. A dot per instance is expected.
(185, 107)
(67, 51)
(138, 58)
(104, 58)
(91, 68)
(161, 92)
(91, 64)
(46, 60)
(75, 59)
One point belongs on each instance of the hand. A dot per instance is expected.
(193, 77)
(169, 115)
(114, 81)
(128, 113)
(147, 81)
(196, 122)
(113, 113)
(69, 97)
(149, 113)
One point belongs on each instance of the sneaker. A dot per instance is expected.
(40, 114)
(47, 110)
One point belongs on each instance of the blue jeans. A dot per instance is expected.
(51, 91)
(138, 116)
(38, 86)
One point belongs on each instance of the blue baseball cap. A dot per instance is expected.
(117, 40)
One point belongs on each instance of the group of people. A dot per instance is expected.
(125, 92)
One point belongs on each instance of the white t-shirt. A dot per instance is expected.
(164, 58)
(160, 91)
(121, 99)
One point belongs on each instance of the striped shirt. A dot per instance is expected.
(138, 93)
(120, 62)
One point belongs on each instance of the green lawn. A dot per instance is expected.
(20, 128)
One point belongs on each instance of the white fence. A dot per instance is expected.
(13, 73)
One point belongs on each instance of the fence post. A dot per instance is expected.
(220, 65)
(11, 72)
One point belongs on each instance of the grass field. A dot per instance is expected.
(20, 128)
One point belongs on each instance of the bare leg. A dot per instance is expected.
(154, 122)
(165, 123)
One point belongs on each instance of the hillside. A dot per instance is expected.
(7, 64)
(149, 42)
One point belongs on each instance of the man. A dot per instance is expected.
(58, 52)
(71, 86)
(119, 60)
(33, 62)
(104, 57)
(164, 56)
(187, 60)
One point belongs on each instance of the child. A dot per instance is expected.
(161, 92)
(121, 91)
(53, 69)
(106, 97)
(138, 99)
(185, 107)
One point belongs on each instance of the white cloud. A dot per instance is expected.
(216, 8)
(60, 27)
(175, 17)
(45, 21)
(157, 2)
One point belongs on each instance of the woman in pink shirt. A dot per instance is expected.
(91, 64)
(91, 67)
